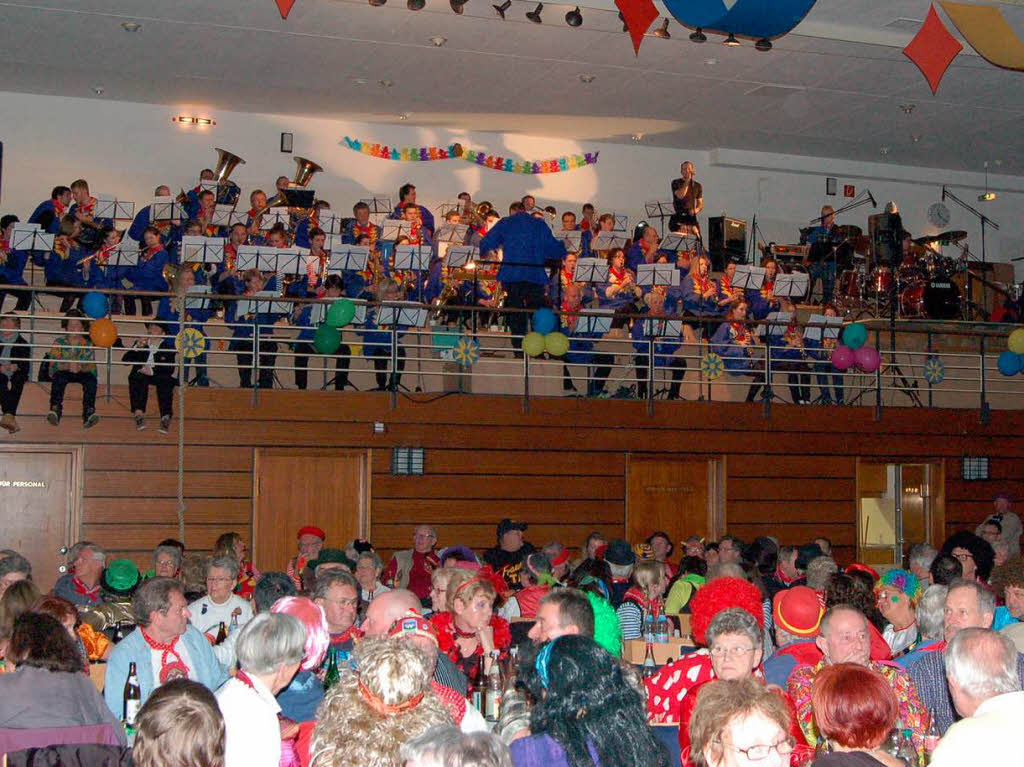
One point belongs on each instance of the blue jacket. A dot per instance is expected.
(664, 347)
(148, 275)
(133, 648)
(695, 303)
(425, 216)
(194, 318)
(65, 270)
(528, 243)
(735, 357)
(48, 212)
(760, 307)
(13, 270)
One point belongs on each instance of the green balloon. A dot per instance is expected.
(533, 344)
(326, 339)
(557, 344)
(340, 313)
(855, 335)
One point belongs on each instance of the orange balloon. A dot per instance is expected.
(103, 332)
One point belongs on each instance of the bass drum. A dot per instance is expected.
(938, 300)
(848, 286)
(879, 281)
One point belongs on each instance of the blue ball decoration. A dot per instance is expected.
(95, 305)
(1009, 363)
(544, 321)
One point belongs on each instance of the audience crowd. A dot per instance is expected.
(752, 653)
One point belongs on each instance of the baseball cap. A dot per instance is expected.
(507, 525)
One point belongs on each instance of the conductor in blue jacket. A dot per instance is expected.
(528, 245)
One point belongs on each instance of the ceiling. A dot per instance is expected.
(832, 88)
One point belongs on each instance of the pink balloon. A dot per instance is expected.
(867, 359)
(842, 358)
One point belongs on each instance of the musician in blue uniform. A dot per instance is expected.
(242, 333)
(407, 196)
(168, 313)
(226, 279)
(820, 350)
(191, 204)
(361, 226)
(84, 206)
(762, 301)
(144, 218)
(581, 345)
(12, 266)
(377, 342)
(333, 288)
(48, 213)
(668, 349)
(700, 293)
(737, 346)
(62, 267)
(304, 228)
(148, 274)
(788, 354)
(621, 291)
(644, 250)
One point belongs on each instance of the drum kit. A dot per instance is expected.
(924, 286)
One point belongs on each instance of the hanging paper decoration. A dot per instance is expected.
(467, 351)
(750, 18)
(284, 7)
(191, 343)
(482, 159)
(986, 29)
(933, 49)
(712, 366)
(638, 15)
(934, 371)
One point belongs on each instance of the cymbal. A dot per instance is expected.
(862, 244)
(943, 238)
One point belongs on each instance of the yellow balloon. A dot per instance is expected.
(1015, 343)
(533, 344)
(557, 344)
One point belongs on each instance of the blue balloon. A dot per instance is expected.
(95, 305)
(1010, 363)
(752, 18)
(544, 321)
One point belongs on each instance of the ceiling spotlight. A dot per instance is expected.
(987, 196)
(130, 26)
(698, 36)
(377, 3)
(500, 9)
(907, 108)
(415, 5)
(731, 40)
(437, 41)
(458, 5)
(574, 18)
(385, 83)
(662, 31)
(534, 15)
(99, 90)
(403, 116)
(637, 137)
(764, 44)
(586, 78)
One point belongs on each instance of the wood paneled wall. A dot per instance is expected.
(559, 466)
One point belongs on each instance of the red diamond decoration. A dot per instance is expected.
(933, 49)
(638, 15)
(285, 7)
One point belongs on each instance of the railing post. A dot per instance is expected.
(526, 381)
(878, 380)
(393, 376)
(108, 395)
(766, 394)
(650, 376)
(985, 412)
(930, 387)
(254, 364)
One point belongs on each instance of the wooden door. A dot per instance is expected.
(670, 494)
(39, 506)
(293, 488)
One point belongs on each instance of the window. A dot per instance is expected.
(974, 467)
(407, 460)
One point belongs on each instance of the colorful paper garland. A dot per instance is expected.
(482, 159)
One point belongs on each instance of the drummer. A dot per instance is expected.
(820, 266)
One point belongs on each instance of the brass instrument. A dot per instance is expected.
(226, 164)
(479, 214)
(172, 273)
(304, 172)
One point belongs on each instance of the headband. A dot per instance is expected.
(543, 659)
(386, 709)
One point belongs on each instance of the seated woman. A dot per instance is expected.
(586, 711)
(148, 274)
(621, 291)
(168, 312)
(727, 294)
(740, 722)
(855, 710)
(72, 361)
(668, 351)
(153, 364)
(243, 328)
(821, 352)
(789, 355)
(737, 347)
(48, 698)
(92, 645)
(701, 294)
(645, 597)
(581, 344)
(898, 592)
(14, 370)
(468, 629)
(762, 300)
(233, 545)
(18, 598)
(377, 340)
(333, 288)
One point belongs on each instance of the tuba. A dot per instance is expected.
(304, 172)
(227, 191)
(172, 273)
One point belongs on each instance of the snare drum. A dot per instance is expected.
(935, 299)
(848, 286)
(879, 281)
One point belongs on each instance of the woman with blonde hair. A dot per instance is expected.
(180, 723)
(644, 597)
(234, 546)
(369, 714)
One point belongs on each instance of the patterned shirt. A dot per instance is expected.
(64, 350)
(913, 714)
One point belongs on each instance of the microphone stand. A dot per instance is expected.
(984, 220)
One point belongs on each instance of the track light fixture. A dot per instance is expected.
(764, 44)
(731, 40)
(415, 5)
(574, 18)
(500, 9)
(534, 15)
(458, 5)
(377, 3)
(698, 36)
(662, 31)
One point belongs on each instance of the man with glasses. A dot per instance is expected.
(337, 592)
(411, 568)
(729, 550)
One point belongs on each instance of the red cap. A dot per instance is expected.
(312, 530)
(797, 611)
(413, 624)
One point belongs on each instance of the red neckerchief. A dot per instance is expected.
(149, 252)
(87, 207)
(58, 207)
(792, 332)
(103, 254)
(414, 233)
(739, 331)
(585, 225)
(210, 229)
(4, 245)
(350, 635)
(766, 288)
(782, 578)
(701, 283)
(618, 274)
(163, 226)
(168, 670)
(242, 677)
(570, 315)
(369, 230)
(636, 595)
(80, 588)
(313, 271)
(61, 245)
(567, 277)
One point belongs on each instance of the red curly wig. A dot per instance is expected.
(717, 596)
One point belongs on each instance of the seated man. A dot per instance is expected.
(164, 647)
(81, 585)
(49, 212)
(337, 592)
(73, 361)
(562, 612)
(153, 364)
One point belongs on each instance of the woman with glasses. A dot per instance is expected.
(738, 723)
(734, 644)
(975, 554)
(220, 605)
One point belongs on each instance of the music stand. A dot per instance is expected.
(164, 209)
(660, 327)
(461, 256)
(659, 210)
(414, 258)
(251, 304)
(248, 257)
(572, 239)
(794, 285)
(774, 324)
(125, 254)
(331, 223)
(31, 238)
(401, 313)
(454, 234)
(595, 321)
(621, 223)
(110, 207)
(657, 274)
(593, 270)
(748, 277)
(813, 331)
(204, 250)
(332, 242)
(198, 298)
(379, 206)
(224, 215)
(348, 258)
(281, 261)
(392, 229)
(608, 240)
(274, 216)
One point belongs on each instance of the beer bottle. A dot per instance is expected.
(132, 696)
(476, 685)
(333, 676)
(650, 665)
(222, 633)
(492, 697)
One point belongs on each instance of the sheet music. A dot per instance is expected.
(31, 237)
(621, 223)
(330, 222)
(792, 285)
(248, 257)
(280, 261)
(834, 327)
(594, 322)
(164, 209)
(402, 313)
(348, 258)
(748, 277)
(392, 229)
(658, 209)
(125, 254)
(205, 250)
(452, 233)
(573, 239)
(679, 243)
(657, 274)
(591, 270)
(197, 298)
(460, 255)
(108, 206)
(258, 303)
(275, 216)
(657, 327)
(414, 257)
(607, 241)
(224, 215)
(774, 324)
(378, 204)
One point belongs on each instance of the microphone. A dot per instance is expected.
(872, 198)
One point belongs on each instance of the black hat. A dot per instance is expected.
(806, 553)
(620, 553)
(507, 525)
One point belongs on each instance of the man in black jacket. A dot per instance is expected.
(153, 362)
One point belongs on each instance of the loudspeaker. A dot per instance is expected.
(886, 233)
(727, 239)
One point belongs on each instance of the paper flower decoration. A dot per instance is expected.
(467, 351)
(934, 371)
(191, 343)
(712, 366)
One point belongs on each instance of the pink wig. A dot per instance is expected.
(312, 617)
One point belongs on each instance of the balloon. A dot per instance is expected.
(544, 321)
(1009, 363)
(326, 339)
(103, 332)
(95, 305)
(340, 313)
(867, 359)
(1015, 343)
(557, 344)
(842, 358)
(533, 344)
(854, 335)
